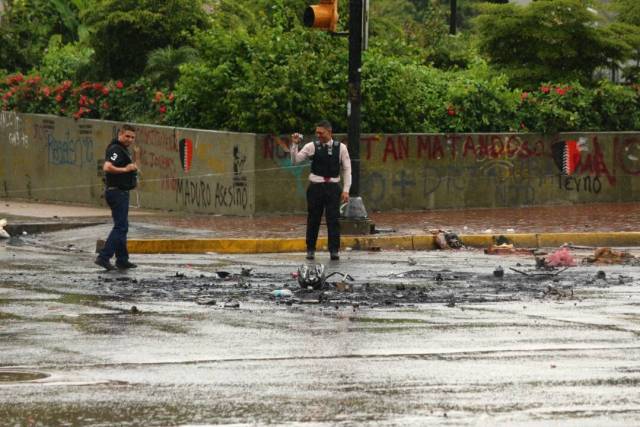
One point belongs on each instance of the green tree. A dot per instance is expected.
(124, 32)
(267, 75)
(548, 40)
(163, 65)
(71, 61)
(25, 29)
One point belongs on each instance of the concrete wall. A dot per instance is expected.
(438, 171)
(59, 159)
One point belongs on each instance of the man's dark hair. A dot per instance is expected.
(126, 128)
(324, 124)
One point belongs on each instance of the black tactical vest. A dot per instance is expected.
(326, 160)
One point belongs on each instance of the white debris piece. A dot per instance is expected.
(3, 232)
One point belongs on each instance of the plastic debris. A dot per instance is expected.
(561, 258)
(281, 293)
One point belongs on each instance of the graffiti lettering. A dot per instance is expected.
(190, 193)
(11, 123)
(586, 184)
(70, 151)
(231, 196)
(159, 138)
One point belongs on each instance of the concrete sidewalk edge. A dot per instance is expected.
(374, 243)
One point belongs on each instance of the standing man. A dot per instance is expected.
(328, 159)
(121, 177)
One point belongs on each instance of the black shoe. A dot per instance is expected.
(311, 255)
(125, 265)
(104, 264)
(334, 256)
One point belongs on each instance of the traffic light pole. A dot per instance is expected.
(354, 93)
(355, 219)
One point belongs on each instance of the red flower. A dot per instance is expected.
(59, 99)
(92, 101)
(105, 91)
(105, 105)
(97, 86)
(524, 96)
(163, 109)
(560, 91)
(46, 91)
(545, 89)
(451, 111)
(119, 84)
(17, 78)
(158, 97)
(171, 97)
(83, 100)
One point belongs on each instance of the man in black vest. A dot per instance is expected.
(328, 159)
(121, 177)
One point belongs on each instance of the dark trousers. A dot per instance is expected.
(325, 196)
(116, 243)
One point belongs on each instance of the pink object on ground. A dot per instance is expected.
(561, 258)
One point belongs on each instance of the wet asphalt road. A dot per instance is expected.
(417, 338)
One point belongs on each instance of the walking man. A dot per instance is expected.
(121, 177)
(328, 159)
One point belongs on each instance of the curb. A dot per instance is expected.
(410, 242)
(16, 229)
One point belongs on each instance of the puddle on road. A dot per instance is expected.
(20, 376)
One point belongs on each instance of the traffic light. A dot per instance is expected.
(323, 16)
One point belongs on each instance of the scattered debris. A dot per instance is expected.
(451, 300)
(550, 290)
(498, 272)
(134, 310)
(311, 276)
(609, 256)
(503, 240)
(223, 274)
(232, 304)
(282, 293)
(246, 272)
(412, 261)
(3, 232)
(601, 275)
(343, 287)
(560, 258)
(446, 239)
(206, 302)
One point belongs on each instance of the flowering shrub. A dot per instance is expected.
(96, 100)
(556, 108)
(430, 101)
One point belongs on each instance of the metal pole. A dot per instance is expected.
(354, 95)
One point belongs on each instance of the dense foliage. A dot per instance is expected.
(250, 65)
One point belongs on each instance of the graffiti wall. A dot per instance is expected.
(436, 171)
(60, 159)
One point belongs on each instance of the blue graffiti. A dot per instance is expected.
(70, 152)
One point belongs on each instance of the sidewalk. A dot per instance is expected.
(593, 225)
